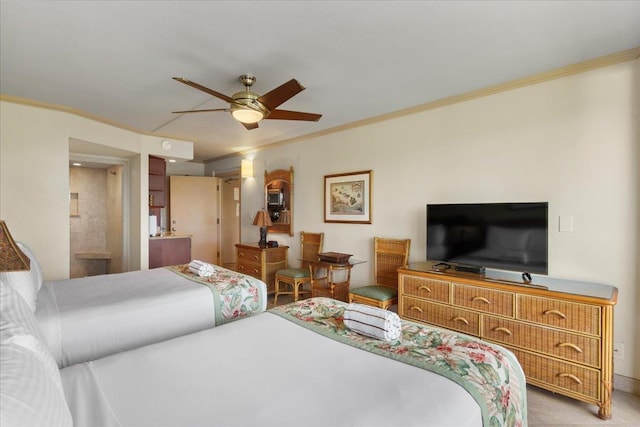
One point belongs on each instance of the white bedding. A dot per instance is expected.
(262, 371)
(91, 317)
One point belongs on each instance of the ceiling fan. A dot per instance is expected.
(249, 108)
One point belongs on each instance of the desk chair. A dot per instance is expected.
(389, 255)
(295, 278)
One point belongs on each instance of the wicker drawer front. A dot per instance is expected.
(550, 373)
(568, 315)
(436, 290)
(487, 300)
(441, 315)
(555, 343)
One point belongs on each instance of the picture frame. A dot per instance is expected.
(348, 197)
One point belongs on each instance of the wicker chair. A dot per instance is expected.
(390, 254)
(295, 278)
(323, 281)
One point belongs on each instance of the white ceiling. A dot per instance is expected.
(357, 59)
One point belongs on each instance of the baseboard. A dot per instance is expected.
(626, 384)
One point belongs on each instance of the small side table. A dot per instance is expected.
(328, 285)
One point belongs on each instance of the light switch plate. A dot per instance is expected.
(566, 223)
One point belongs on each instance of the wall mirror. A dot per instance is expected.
(278, 192)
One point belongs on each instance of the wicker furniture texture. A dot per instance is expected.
(389, 255)
(563, 340)
(294, 279)
(324, 280)
(261, 263)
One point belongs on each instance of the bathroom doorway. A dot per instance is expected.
(97, 215)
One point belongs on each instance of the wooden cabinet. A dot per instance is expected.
(165, 251)
(261, 263)
(157, 182)
(561, 331)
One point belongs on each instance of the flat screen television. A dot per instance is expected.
(505, 236)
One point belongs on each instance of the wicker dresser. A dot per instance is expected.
(560, 330)
(261, 263)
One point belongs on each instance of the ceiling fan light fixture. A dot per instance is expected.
(244, 115)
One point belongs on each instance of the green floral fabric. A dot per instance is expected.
(235, 295)
(490, 373)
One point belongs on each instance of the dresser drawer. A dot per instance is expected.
(549, 373)
(436, 290)
(557, 343)
(442, 315)
(557, 313)
(482, 299)
(250, 268)
(249, 255)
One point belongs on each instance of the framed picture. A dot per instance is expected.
(347, 197)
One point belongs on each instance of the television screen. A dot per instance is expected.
(506, 236)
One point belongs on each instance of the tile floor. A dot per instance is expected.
(553, 410)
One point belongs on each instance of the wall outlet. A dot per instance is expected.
(618, 350)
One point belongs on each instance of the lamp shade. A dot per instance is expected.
(262, 219)
(246, 168)
(11, 257)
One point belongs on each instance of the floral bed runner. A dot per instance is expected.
(235, 295)
(490, 373)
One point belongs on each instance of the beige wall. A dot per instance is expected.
(34, 177)
(572, 142)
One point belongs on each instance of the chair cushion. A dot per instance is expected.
(377, 292)
(296, 273)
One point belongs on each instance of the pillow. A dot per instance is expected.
(28, 396)
(35, 265)
(26, 283)
(18, 326)
(372, 322)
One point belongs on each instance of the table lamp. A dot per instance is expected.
(11, 257)
(263, 221)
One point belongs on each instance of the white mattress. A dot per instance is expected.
(91, 317)
(261, 371)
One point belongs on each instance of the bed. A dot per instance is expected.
(91, 317)
(299, 365)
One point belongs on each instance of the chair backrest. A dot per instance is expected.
(390, 254)
(310, 246)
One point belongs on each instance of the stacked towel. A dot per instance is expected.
(201, 268)
(372, 322)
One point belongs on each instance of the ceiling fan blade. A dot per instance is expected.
(205, 89)
(282, 93)
(200, 111)
(250, 126)
(293, 115)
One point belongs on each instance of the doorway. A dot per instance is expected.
(97, 220)
(230, 217)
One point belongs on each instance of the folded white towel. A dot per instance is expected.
(372, 321)
(201, 268)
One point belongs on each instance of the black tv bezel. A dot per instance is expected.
(479, 267)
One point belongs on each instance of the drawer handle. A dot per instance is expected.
(502, 329)
(241, 254)
(461, 319)
(483, 299)
(573, 346)
(241, 267)
(573, 377)
(255, 270)
(255, 257)
(559, 313)
(424, 288)
(416, 308)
